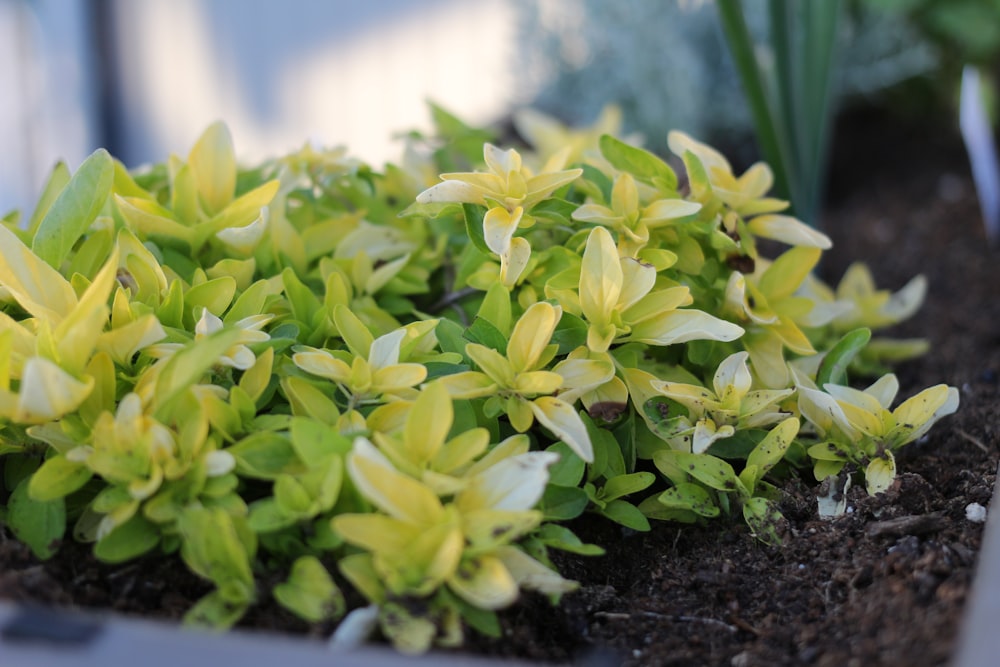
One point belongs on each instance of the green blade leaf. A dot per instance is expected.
(38, 523)
(639, 162)
(833, 369)
(74, 209)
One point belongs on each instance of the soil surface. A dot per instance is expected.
(885, 584)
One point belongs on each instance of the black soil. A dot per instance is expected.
(886, 584)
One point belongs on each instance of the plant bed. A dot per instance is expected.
(883, 584)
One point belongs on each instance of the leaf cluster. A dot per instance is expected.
(315, 372)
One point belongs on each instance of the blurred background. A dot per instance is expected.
(144, 78)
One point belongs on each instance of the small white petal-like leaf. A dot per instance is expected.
(705, 433)
(451, 191)
(244, 239)
(681, 326)
(733, 373)
(562, 419)
(515, 261)
(384, 350)
(48, 392)
(513, 483)
(788, 230)
(531, 574)
(499, 226)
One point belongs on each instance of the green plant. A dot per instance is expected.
(790, 98)
(316, 370)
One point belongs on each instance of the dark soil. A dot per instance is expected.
(859, 590)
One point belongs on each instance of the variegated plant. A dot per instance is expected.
(312, 364)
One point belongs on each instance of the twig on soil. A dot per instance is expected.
(667, 617)
(973, 439)
(907, 525)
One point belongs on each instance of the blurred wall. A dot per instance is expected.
(144, 78)
(46, 100)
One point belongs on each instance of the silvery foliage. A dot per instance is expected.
(668, 66)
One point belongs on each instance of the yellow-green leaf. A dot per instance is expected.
(74, 209)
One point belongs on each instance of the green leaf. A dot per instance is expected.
(315, 441)
(303, 301)
(624, 485)
(773, 447)
(483, 331)
(474, 215)
(626, 514)
(562, 503)
(827, 451)
(450, 337)
(639, 162)
(823, 469)
(215, 547)
(265, 455)
(708, 470)
(213, 295)
(569, 469)
(880, 473)
(213, 163)
(58, 477)
(216, 612)
(250, 302)
(129, 540)
(608, 460)
(560, 537)
(266, 516)
(310, 592)
(291, 496)
(483, 621)
(58, 179)
(496, 308)
(764, 519)
(570, 333)
(76, 207)
(691, 497)
(739, 445)
(600, 179)
(554, 210)
(187, 366)
(833, 368)
(38, 523)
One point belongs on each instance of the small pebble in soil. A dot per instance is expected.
(975, 513)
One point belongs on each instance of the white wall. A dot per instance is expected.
(349, 72)
(46, 107)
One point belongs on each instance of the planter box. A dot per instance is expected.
(40, 637)
(979, 641)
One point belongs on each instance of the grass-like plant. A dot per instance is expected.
(312, 370)
(789, 91)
